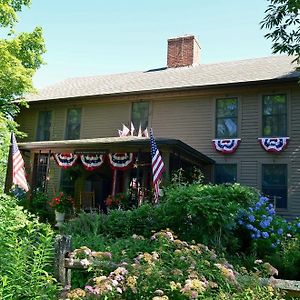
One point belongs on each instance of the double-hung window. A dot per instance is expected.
(140, 114)
(41, 165)
(73, 124)
(274, 183)
(274, 119)
(44, 126)
(67, 182)
(226, 118)
(225, 173)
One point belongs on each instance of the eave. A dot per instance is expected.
(116, 144)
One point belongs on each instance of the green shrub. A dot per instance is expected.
(39, 206)
(287, 259)
(205, 213)
(25, 254)
(167, 268)
(270, 237)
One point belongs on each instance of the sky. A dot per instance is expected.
(95, 37)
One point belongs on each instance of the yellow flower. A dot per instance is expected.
(148, 257)
(148, 271)
(175, 285)
(271, 290)
(100, 279)
(198, 285)
(131, 282)
(76, 294)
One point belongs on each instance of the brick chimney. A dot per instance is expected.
(183, 51)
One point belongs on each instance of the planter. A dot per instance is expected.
(59, 218)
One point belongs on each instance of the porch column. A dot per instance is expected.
(166, 159)
(114, 183)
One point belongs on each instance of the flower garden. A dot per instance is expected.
(199, 242)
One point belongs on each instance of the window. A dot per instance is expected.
(274, 183)
(274, 121)
(226, 118)
(43, 126)
(73, 124)
(67, 182)
(225, 173)
(41, 167)
(139, 114)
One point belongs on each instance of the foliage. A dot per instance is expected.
(62, 203)
(124, 249)
(205, 213)
(269, 236)
(38, 205)
(119, 201)
(185, 271)
(287, 258)
(25, 254)
(21, 56)
(282, 19)
(4, 149)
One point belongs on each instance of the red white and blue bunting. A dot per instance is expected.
(121, 161)
(91, 161)
(65, 160)
(226, 146)
(274, 144)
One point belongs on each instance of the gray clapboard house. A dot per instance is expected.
(238, 121)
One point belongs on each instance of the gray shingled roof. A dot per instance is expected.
(242, 71)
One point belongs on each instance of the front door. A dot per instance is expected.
(101, 185)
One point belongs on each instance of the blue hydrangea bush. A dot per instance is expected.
(264, 226)
(268, 235)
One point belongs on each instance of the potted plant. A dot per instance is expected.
(62, 204)
(119, 201)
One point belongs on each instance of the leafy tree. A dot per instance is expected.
(282, 19)
(20, 57)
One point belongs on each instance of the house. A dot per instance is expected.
(237, 121)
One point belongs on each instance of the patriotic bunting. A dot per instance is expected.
(121, 161)
(91, 161)
(226, 146)
(65, 160)
(277, 144)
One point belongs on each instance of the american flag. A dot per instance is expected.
(19, 178)
(158, 166)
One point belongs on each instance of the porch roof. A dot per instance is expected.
(116, 144)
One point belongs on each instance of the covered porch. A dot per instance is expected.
(124, 164)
